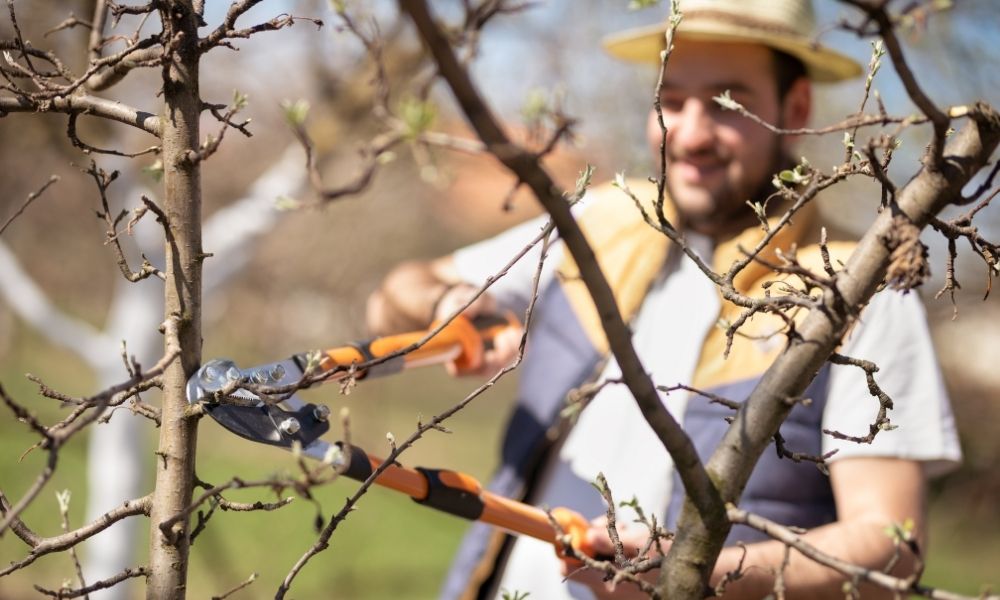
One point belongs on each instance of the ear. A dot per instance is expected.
(797, 104)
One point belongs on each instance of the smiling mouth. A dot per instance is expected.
(696, 171)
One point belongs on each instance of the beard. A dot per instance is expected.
(725, 210)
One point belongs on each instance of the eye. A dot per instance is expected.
(672, 102)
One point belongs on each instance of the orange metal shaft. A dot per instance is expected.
(511, 515)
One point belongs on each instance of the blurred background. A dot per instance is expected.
(283, 281)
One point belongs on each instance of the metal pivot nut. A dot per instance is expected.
(321, 412)
(290, 426)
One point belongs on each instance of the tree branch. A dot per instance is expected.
(84, 105)
(99, 585)
(525, 165)
(31, 198)
(40, 546)
(792, 539)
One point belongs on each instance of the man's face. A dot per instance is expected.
(718, 159)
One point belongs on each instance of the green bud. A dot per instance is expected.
(240, 100)
(295, 111)
(417, 115)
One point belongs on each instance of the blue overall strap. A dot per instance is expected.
(559, 358)
(780, 489)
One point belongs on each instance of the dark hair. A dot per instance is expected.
(787, 70)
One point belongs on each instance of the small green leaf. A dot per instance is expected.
(417, 115)
(848, 140)
(296, 111)
(631, 503)
(797, 176)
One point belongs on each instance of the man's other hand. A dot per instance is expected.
(633, 537)
(505, 344)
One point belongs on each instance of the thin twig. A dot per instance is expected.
(100, 585)
(31, 198)
(63, 498)
(240, 586)
(881, 422)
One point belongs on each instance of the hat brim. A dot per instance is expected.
(644, 44)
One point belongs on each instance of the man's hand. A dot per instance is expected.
(505, 344)
(633, 538)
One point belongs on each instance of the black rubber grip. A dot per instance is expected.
(360, 468)
(453, 501)
(482, 322)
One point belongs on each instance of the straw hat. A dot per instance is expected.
(785, 25)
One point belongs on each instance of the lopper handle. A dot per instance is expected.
(461, 342)
(462, 495)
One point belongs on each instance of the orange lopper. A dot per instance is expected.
(260, 405)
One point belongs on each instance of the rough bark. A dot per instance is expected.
(698, 543)
(168, 553)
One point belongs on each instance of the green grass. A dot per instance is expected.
(389, 547)
(964, 554)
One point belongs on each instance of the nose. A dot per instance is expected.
(693, 128)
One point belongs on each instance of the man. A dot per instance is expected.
(761, 51)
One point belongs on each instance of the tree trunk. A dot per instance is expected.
(168, 552)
